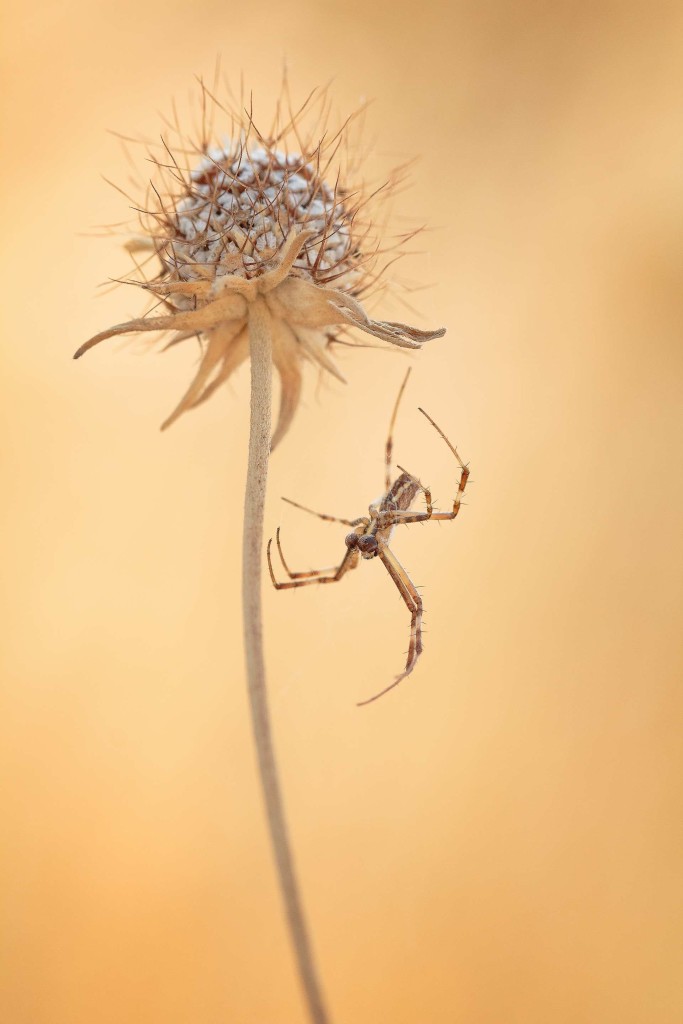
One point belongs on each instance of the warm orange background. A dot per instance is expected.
(499, 840)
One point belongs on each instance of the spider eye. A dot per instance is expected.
(351, 540)
(367, 543)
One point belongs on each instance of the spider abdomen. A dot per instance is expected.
(402, 492)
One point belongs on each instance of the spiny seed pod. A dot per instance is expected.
(247, 218)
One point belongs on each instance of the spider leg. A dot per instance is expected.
(300, 575)
(464, 475)
(404, 518)
(389, 447)
(408, 592)
(349, 561)
(329, 519)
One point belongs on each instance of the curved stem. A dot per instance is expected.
(260, 344)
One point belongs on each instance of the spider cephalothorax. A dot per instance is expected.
(372, 533)
(366, 543)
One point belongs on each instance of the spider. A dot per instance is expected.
(371, 535)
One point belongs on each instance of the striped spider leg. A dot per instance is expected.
(371, 534)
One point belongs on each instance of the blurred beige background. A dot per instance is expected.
(499, 840)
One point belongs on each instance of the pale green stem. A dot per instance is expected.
(260, 344)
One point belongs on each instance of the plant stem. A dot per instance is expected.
(260, 344)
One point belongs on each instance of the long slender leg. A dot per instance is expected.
(464, 472)
(390, 439)
(408, 592)
(349, 561)
(421, 517)
(329, 519)
(301, 575)
(403, 518)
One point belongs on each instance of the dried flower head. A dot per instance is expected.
(255, 215)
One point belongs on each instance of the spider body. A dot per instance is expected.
(371, 535)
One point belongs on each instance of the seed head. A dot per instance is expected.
(249, 217)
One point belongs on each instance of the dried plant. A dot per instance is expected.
(263, 247)
(247, 221)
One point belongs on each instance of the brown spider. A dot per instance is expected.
(371, 535)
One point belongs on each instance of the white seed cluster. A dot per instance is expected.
(241, 206)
